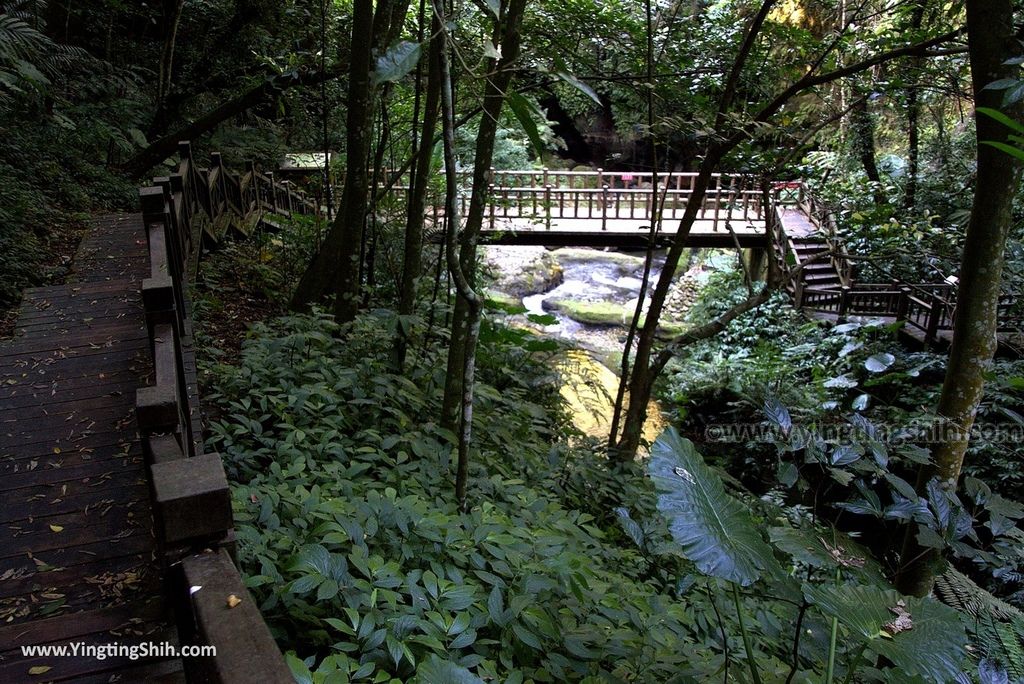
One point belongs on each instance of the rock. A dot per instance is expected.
(521, 271)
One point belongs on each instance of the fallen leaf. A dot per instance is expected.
(233, 601)
(39, 669)
(56, 528)
(903, 621)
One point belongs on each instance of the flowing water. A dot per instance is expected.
(589, 385)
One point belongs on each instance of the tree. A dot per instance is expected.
(499, 72)
(423, 150)
(336, 265)
(647, 366)
(991, 41)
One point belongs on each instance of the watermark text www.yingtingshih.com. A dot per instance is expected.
(134, 651)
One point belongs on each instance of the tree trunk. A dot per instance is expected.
(336, 267)
(863, 130)
(171, 18)
(500, 77)
(462, 282)
(990, 41)
(412, 263)
(913, 116)
(641, 380)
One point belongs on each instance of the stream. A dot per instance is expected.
(593, 304)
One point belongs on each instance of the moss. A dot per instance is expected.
(496, 299)
(593, 313)
(627, 263)
(608, 313)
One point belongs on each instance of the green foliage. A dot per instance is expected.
(714, 530)
(918, 636)
(353, 543)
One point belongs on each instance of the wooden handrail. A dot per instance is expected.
(191, 497)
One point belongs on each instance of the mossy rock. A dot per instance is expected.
(532, 275)
(609, 314)
(627, 263)
(500, 301)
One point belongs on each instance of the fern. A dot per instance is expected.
(997, 627)
(32, 62)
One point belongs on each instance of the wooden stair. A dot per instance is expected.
(821, 274)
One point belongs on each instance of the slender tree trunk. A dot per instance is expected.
(462, 282)
(412, 264)
(171, 18)
(991, 41)
(863, 134)
(507, 34)
(627, 348)
(913, 116)
(351, 220)
(641, 381)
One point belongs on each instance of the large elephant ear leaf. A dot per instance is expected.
(919, 636)
(714, 529)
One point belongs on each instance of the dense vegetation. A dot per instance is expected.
(830, 501)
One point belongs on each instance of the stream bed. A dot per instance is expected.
(592, 295)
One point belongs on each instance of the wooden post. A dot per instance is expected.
(288, 194)
(253, 189)
(844, 303)
(547, 203)
(934, 314)
(798, 293)
(273, 191)
(491, 201)
(604, 206)
(902, 303)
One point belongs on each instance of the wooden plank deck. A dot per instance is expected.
(624, 233)
(77, 551)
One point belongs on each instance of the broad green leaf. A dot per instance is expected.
(1001, 118)
(300, 671)
(399, 60)
(1008, 149)
(778, 415)
(630, 527)
(876, 363)
(827, 548)
(930, 641)
(714, 529)
(525, 112)
(434, 670)
(579, 85)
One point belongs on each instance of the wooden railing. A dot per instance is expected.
(543, 196)
(799, 195)
(191, 498)
(928, 307)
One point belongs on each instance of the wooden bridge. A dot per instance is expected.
(802, 227)
(117, 524)
(611, 209)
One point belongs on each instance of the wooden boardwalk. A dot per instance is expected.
(77, 549)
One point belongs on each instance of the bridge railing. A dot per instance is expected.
(927, 307)
(190, 494)
(542, 196)
(797, 194)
